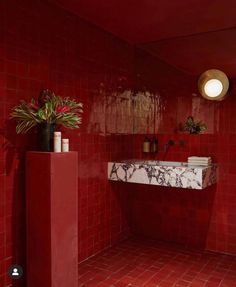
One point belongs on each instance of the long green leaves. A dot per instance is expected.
(54, 109)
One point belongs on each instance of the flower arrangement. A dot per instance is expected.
(48, 108)
(194, 127)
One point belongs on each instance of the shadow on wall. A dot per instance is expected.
(9, 145)
(120, 203)
(14, 147)
(19, 225)
(170, 214)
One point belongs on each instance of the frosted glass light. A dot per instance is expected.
(213, 85)
(213, 88)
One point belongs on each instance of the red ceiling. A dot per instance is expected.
(195, 54)
(151, 21)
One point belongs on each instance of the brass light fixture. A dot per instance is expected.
(213, 85)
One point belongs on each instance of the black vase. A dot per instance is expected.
(45, 136)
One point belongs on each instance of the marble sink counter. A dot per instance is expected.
(163, 173)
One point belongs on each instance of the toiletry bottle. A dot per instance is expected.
(57, 141)
(154, 145)
(146, 145)
(65, 145)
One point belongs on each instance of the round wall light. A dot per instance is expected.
(213, 85)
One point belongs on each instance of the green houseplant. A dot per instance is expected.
(194, 127)
(48, 111)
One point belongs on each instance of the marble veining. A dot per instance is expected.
(173, 174)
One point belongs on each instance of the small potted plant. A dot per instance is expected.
(48, 111)
(194, 127)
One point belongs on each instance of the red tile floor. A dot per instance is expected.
(137, 262)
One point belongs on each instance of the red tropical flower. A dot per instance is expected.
(62, 109)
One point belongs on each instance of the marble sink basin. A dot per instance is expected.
(156, 162)
(163, 173)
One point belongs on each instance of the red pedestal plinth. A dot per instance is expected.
(52, 221)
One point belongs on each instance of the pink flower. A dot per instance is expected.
(62, 109)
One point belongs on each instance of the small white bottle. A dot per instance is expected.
(57, 141)
(65, 145)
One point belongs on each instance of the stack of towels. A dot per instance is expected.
(199, 160)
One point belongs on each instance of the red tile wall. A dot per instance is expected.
(126, 94)
(42, 46)
(207, 218)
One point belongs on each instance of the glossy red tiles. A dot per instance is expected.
(139, 262)
(126, 94)
(186, 216)
(73, 58)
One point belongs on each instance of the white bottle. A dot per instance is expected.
(57, 141)
(65, 145)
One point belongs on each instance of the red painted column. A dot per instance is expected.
(52, 221)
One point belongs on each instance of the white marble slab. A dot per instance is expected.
(163, 173)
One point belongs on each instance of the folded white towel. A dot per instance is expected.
(189, 160)
(198, 164)
(199, 158)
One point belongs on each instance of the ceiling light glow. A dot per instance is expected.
(213, 88)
